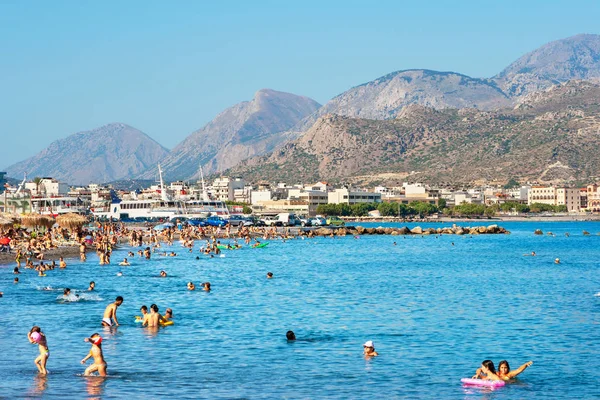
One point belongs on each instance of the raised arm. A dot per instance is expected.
(477, 374)
(517, 371)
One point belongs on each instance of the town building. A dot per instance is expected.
(223, 188)
(348, 196)
(47, 187)
(542, 195)
(569, 197)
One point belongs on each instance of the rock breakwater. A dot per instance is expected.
(454, 230)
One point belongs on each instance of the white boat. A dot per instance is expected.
(56, 205)
(161, 208)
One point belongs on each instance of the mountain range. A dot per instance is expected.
(552, 136)
(110, 152)
(407, 114)
(247, 129)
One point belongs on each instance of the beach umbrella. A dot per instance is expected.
(6, 221)
(14, 218)
(32, 220)
(36, 220)
(71, 221)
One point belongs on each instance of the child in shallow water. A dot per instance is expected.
(35, 336)
(99, 364)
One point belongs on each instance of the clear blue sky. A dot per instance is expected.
(167, 68)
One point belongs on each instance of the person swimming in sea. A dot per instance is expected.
(125, 262)
(36, 336)
(206, 286)
(191, 286)
(290, 336)
(62, 263)
(110, 313)
(154, 319)
(92, 286)
(369, 349)
(99, 364)
(506, 374)
(269, 275)
(163, 274)
(487, 371)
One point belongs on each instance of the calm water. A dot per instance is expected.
(434, 311)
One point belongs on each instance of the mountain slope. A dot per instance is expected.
(384, 97)
(247, 129)
(107, 153)
(551, 137)
(576, 57)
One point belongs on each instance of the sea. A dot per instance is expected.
(434, 306)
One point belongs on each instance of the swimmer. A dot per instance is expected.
(487, 371)
(62, 263)
(206, 286)
(92, 285)
(395, 243)
(99, 364)
(556, 261)
(290, 335)
(191, 286)
(168, 314)
(505, 373)
(110, 313)
(163, 274)
(145, 315)
(16, 270)
(269, 275)
(36, 336)
(154, 319)
(16, 280)
(125, 262)
(130, 254)
(369, 349)
(172, 254)
(197, 258)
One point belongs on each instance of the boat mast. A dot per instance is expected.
(204, 193)
(163, 193)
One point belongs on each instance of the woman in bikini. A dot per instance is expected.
(36, 336)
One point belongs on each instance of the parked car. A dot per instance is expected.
(216, 220)
(197, 222)
(287, 219)
(271, 221)
(251, 221)
(335, 221)
(319, 220)
(305, 221)
(236, 220)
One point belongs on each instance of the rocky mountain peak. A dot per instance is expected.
(576, 57)
(110, 152)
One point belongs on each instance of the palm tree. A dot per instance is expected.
(37, 180)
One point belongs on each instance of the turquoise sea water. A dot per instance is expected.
(434, 310)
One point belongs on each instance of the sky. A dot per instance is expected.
(168, 68)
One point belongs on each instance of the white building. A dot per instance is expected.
(345, 195)
(257, 196)
(47, 187)
(223, 188)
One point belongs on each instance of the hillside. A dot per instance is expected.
(247, 129)
(384, 97)
(111, 152)
(551, 137)
(576, 57)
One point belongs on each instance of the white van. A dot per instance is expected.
(288, 219)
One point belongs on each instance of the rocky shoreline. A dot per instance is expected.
(417, 230)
